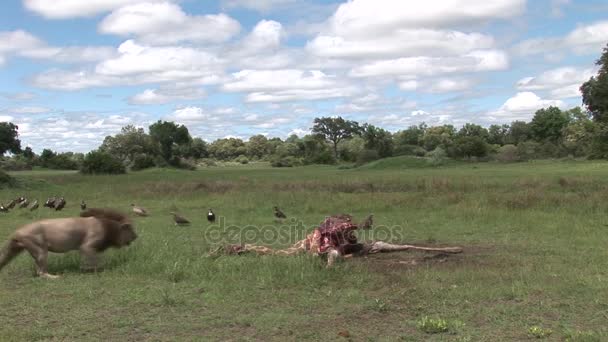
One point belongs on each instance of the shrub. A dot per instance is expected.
(507, 153)
(288, 161)
(433, 325)
(437, 157)
(97, 162)
(527, 150)
(410, 150)
(15, 164)
(6, 180)
(367, 156)
(241, 159)
(142, 161)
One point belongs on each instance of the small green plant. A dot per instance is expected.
(539, 332)
(380, 305)
(433, 325)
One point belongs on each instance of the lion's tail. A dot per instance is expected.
(10, 250)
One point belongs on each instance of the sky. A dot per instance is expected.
(73, 72)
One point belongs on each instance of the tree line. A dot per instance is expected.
(552, 133)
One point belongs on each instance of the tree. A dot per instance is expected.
(169, 136)
(595, 91)
(580, 133)
(519, 131)
(130, 143)
(497, 134)
(470, 146)
(335, 130)
(548, 124)
(473, 130)
(227, 148)
(8, 138)
(378, 139)
(438, 136)
(28, 153)
(97, 162)
(257, 146)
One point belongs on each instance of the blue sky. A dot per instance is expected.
(73, 72)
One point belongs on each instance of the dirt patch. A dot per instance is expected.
(388, 262)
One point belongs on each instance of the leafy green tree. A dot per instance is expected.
(438, 136)
(519, 131)
(497, 134)
(28, 153)
(130, 143)
(335, 130)
(410, 136)
(169, 136)
(548, 124)
(470, 146)
(580, 133)
(97, 162)
(8, 138)
(595, 91)
(378, 139)
(257, 146)
(473, 130)
(227, 148)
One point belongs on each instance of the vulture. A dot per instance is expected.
(24, 203)
(50, 202)
(278, 213)
(60, 204)
(368, 223)
(210, 216)
(139, 211)
(34, 205)
(11, 204)
(179, 220)
(3, 209)
(83, 205)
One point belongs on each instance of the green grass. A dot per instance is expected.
(534, 234)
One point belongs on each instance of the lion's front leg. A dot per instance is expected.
(89, 259)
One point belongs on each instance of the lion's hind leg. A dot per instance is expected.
(10, 251)
(40, 255)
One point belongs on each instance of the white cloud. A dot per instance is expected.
(373, 17)
(167, 23)
(522, 106)
(190, 114)
(563, 82)
(166, 95)
(266, 34)
(6, 118)
(70, 54)
(25, 44)
(486, 60)
(29, 110)
(22, 96)
(62, 9)
(286, 85)
(165, 62)
(584, 39)
(258, 5)
(400, 43)
(15, 41)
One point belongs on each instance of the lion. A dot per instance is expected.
(93, 232)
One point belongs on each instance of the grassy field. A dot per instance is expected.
(535, 261)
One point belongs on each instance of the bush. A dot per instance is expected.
(410, 150)
(367, 156)
(6, 180)
(507, 154)
(527, 150)
(97, 162)
(288, 161)
(241, 159)
(15, 164)
(437, 157)
(142, 161)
